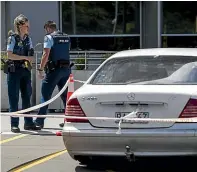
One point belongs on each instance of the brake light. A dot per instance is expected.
(190, 109)
(73, 108)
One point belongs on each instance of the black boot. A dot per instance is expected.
(61, 125)
(32, 127)
(39, 125)
(15, 129)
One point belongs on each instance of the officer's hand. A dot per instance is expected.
(41, 74)
(30, 59)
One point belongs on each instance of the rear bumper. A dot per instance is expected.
(143, 142)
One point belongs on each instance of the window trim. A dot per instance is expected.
(159, 11)
(192, 35)
(105, 35)
(141, 27)
(60, 15)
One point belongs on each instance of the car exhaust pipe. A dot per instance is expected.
(129, 155)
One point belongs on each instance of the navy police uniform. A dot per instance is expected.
(57, 69)
(19, 78)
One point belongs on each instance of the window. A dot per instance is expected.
(179, 24)
(148, 70)
(90, 18)
(179, 41)
(180, 17)
(67, 22)
(104, 43)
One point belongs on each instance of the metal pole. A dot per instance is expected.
(158, 24)
(34, 83)
(34, 73)
(60, 15)
(85, 61)
(116, 18)
(141, 26)
(74, 17)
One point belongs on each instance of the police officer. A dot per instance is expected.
(55, 61)
(20, 56)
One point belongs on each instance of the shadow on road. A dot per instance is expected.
(145, 164)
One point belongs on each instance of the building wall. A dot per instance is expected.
(3, 36)
(177, 21)
(38, 13)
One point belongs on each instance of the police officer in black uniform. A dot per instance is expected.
(18, 68)
(56, 64)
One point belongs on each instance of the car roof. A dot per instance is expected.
(157, 51)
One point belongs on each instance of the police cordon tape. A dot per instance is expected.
(133, 119)
(79, 81)
(43, 104)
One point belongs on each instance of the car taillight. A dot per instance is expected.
(73, 108)
(190, 109)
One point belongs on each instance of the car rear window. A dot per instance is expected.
(143, 69)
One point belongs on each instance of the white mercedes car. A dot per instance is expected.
(148, 83)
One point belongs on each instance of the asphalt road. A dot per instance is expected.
(44, 151)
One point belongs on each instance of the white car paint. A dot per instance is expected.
(100, 138)
(172, 100)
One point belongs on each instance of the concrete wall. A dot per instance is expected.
(3, 36)
(57, 104)
(38, 12)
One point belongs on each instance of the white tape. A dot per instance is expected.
(128, 117)
(40, 105)
(184, 120)
(79, 81)
(45, 103)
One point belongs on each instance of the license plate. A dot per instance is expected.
(138, 115)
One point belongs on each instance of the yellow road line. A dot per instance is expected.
(38, 161)
(13, 138)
